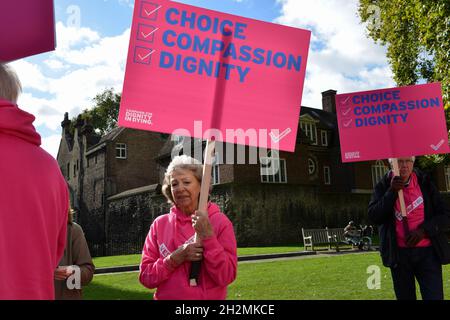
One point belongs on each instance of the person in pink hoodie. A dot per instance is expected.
(169, 247)
(33, 202)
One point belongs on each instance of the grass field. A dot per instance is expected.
(309, 278)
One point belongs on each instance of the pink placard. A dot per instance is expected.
(190, 70)
(27, 28)
(392, 123)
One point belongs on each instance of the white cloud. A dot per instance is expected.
(30, 75)
(341, 57)
(55, 64)
(89, 63)
(129, 3)
(89, 49)
(51, 144)
(68, 37)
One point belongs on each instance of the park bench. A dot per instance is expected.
(331, 237)
(337, 237)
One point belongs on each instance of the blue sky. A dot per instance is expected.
(92, 44)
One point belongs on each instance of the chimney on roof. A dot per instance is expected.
(87, 133)
(87, 128)
(65, 124)
(329, 101)
(78, 125)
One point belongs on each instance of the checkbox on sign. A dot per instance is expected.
(149, 10)
(346, 111)
(143, 55)
(146, 32)
(344, 101)
(347, 123)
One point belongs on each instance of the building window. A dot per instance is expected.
(273, 170)
(327, 175)
(121, 151)
(378, 171)
(324, 137)
(311, 166)
(74, 170)
(215, 169)
(95, 159)
(310, 130)
(215, 174)
(95, 191)
(68, 171)
(447, 177)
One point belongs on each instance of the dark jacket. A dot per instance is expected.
(381, 213)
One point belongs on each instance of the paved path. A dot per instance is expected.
(253, 259)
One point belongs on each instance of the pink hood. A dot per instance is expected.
(33, 209)
(219, 263)
(19, 123)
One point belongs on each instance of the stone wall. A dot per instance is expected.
(275, 214)
(128, 221)
(262, 215)
(94, 181)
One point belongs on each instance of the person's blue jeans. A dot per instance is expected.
(421, 264)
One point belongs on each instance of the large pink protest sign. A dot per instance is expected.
(27, 28)
(190, 70)
(392, 123)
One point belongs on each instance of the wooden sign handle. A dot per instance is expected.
(203, 203)
(400, 193)
(401, 198)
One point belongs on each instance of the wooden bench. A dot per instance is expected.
(337, 237)
(328, 236)
(337, 234)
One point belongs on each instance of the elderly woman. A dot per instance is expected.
(416, 247)
(170, 248)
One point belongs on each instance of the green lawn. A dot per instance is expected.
(133, 259)
(319, 277)
(267, 250)
(111, 261)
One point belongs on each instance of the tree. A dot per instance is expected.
(104, 115)
(417, 36)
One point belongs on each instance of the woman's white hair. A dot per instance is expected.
(182, 162)
(10, 86)
(413, 158)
